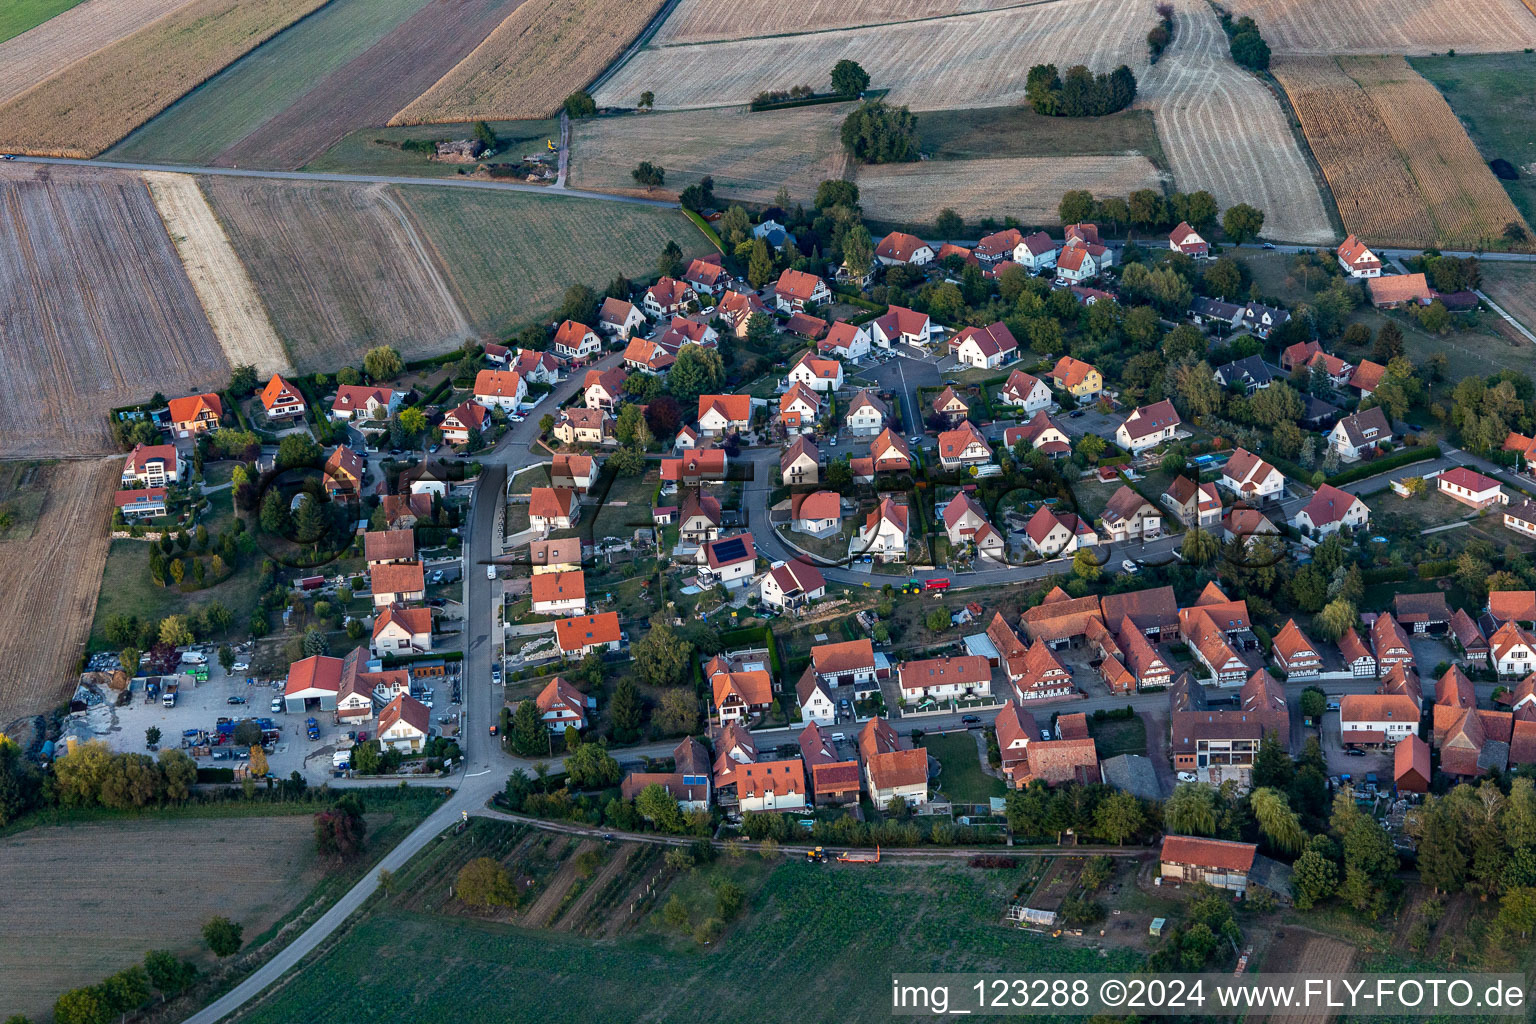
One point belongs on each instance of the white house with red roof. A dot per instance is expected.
(816, 512)
(281, 400)
(1042, 434)
(195, 414)
(845, 341)
(365, 402)
(890, 453)
(901, 326)
(683, 331)
(619, 317)
(738, 308)
(866, 414)
(1026, 391)
(500, 389)
(401, 630)
(966, 522)
(732, 560)
(997, 247)
(901, 249)
(1129, 516)
(576, 341)
(722, 414)
(798, 408)
(603, 389)
(560, 705)
(1148, 427)
(846, 663)
(553, 508)
(1051, 534)
(1075, 264)
(1216, 862)
(1187, 240)
(1462, 484)
(706, 275)
(792, 584)
(648, 355)
(949, 678)
(577, 637)
(963, 446)
(795, 288)
(666, 297)
(535, 366)
(884, 533)
(1250, 477)
(140, 502)
(1035, 252)
(985, 347)
(1329, 510)
(1357, 260)
(559, 593)
(152, 465)
(405, 724)
(816, 373)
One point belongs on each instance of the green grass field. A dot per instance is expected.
(233, 103)
(16, 16)
(127, 588)
(1019, 131)
(962, 779)
(1119, 737)
(361, 152)
(1494, 96)
(509, 257)
(819, 943)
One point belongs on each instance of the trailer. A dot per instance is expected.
(311, 582)
(859, 856)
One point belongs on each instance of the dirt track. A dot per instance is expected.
(49, 584)
(34, 55)
(548, 903)
(225, 289)
(98, 312)
(1224, 132)
(370, 88)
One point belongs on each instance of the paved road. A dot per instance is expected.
(357, 179)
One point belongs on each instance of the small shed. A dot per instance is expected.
(1155, 929)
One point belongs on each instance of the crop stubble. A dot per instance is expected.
(100, 98)
(98, 312)
(340, 270)
(695, 21)
(748, 155)
(1398, 161)
(544, 51)
(1028, 188)
(129, 879)
(1402, 26)
(971, 60)
(372, 86)
(27, 59)
(48, 594)
(229, 298)
(1513, 287)
(1224, 131)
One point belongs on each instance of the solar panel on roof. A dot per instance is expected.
(730, 549)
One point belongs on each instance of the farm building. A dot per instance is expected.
(1216, 862)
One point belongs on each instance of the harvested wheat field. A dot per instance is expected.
(368, 89)
(697, 21)
(1027, 188)
(1224, 131)
(339, 268)
(84, 901)
(98, 312)
(972, 60)
(229, 299)
(38, 53)
(98, 100)
(1400, 165)
(749, 155)
(542, 52)
(1402, 26)
(48, 594)
(1513, 287)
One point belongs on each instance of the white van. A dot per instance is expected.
(194, 658)
(490, 572)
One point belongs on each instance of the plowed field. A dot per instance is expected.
(696, 21)
(99, 99)
(234, 309)
(1402, 26)
(971, 60)
(1398, 161)
(32, 56)
(339, 268)
(543, 52)
(48, 590)
(97, 313)
(1224, 131)
(373, 86)
(1028, 188)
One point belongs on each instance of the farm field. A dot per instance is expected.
(509, 257)
(99, 312)
(840, 930)
(1028, 188)
(544, 51)
(696, 21)
(28, 58)
(990, 132)
(1400, 165)
(271, 78)
(229, 299)
(749, 155)
(133, 875)
(1494, 97)
(372, 86)
(98, 100)
(1404, 26)
(20, 501)
(1224, 132)
(376, 285)
(966, 60)
(1513, 287)
(22, 15)
(50, 586)
(376, 150)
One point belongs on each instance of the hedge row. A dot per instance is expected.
(1396, 460)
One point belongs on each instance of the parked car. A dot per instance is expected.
(1045, 734)
(1076, 413)
(1333, 705)
(277, 703)
(1130, 567)
(234, 700)
(1354, 752)
(1188, 777)
(241, 666)
(490, 572)
(970, 719)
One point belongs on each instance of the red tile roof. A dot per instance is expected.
(1072, 727)
(279, 390)
(586, 630)
(1057, 761)
(498, 383)
(898, 245)
(847, 656)
(388, 545)
(1512, 605)
(559, 586)
(409, 710)
(1208, 853)
(899, 768)
(551, 502)
(191, 407)
(1069, 372)
(736, 408)
(798, 285)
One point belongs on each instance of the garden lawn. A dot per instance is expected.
(838, 931)
(962, 779)
(127, 588)
(1128, 736)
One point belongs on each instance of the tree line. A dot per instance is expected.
(1081, 93)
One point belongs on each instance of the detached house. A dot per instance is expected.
(1512, 650)
(561, 705)
(997, 247)
(889, 453)
(682, 331)
(1041, 676)
(1377, 719)
(1251, 374)
(1390, 644)
(740, 695)
(738, 308)
(795, 288)
(706, 276)
(799, 408)
(1357, 260)
(1027, 392)
(884, 533)
(666, 298)
(559, 593)
(405, 724)
(1148, 427)
(152, 465)
(344, 472)
(354, 401)
(732, 561)
(800, 463)
(1359, 434)
(901, 249)
(1187, 240)
(966, 522)
(281, 400)
(963, 446)
(934, 679)
(695, 466)
(792, 584)
(603, 389)
(866, 414)
(1470, 488)
(195, 414)
(1251, 478)
(1129, 516)
(1469, 638)
(1366, 377)
(464, 421)
(1076, 264)
(901, 326)
(1193, 504)
(551, 508)
(817, 374)
(1035, 252)
(400, 630)
(891, 773)
(849, 663)
(1399, 290)
(1329, 510)
(576, 341)
(724, 414)
(580, 636)
(1042, 434)
(950, 406)
(500, 389)
(700, 519)
(397, 583)
(1295, 654)
(583, 426)
(648, 356)
(845, 341)
(1050, 534)
(619, 317)
(1079, 379)
(985, 347)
